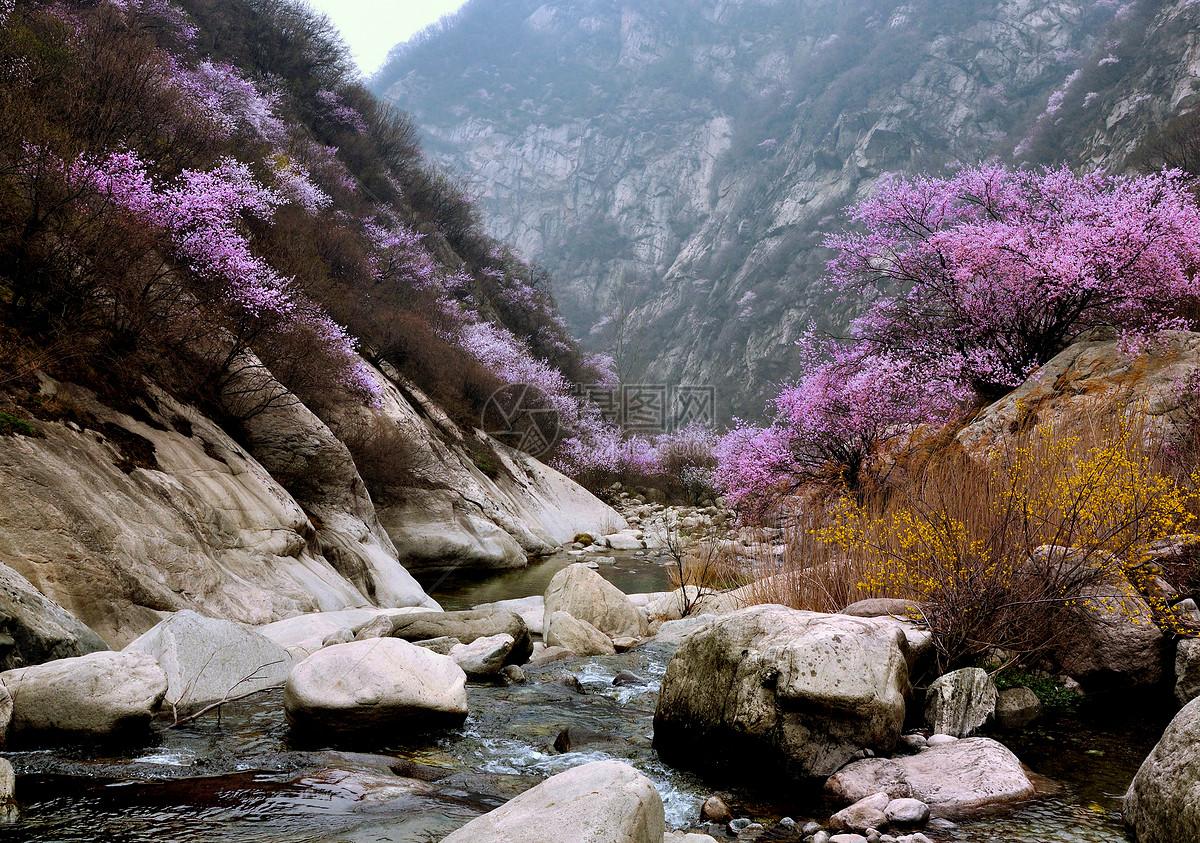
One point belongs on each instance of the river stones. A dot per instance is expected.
(1163, 803)
(466, 626)
(577, 636)
(867, 812)
(953, 779)
(600, 802)
(774, 686)
(208, 660)
(483, 657)
(581, 592)
(960, 702)
(100, 694)
(381, 683)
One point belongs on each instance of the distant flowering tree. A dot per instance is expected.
(231, 102)
(847, 410)
(995, 270)
(755, 466)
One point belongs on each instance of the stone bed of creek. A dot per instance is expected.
(241, 777)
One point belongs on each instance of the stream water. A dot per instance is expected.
(240, 779)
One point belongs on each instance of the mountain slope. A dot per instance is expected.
(242, 329)
(673, 165)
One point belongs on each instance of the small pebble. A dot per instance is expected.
(738, 825)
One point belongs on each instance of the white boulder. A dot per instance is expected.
(600, 802)
(581, 592)
(99, 694)
(208, 660)
(375, 683)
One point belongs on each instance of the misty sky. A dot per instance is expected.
(372, 27)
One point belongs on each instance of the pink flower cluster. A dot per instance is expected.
(232, 103)
(339, 112)
(202, 213)
(995, 270)
(294, 183)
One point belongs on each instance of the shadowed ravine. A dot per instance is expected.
(240, 779)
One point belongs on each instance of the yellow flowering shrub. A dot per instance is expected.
(994, 551)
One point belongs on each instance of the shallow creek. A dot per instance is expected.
(240, 779)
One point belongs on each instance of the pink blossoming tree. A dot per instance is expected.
(995, 270)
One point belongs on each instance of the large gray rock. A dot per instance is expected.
(129, 518)
(466, 626)
(35, 629)
(960, 703)
(1092, 376)
(581, 592)
(600, 802)
(531, 609)
(1114, 642)
(953, 779)
(208, 660)
(98, 695)
(781, 686)
(579, 637)
(483, 657)
(1017, 707)
(1187, 670)
(1163, 803)
(380, 683)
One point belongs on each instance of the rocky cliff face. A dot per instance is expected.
(123, 515)
(675, 164)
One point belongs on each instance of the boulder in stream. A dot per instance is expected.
(584, 594)
(600, 802)
(579, 637)
(953, 779)
(209, 660)
(466, 626)
(782, 687)
(483, 657)
(1163, 803)
(378, 683)
(100, 694)
(960, 702)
